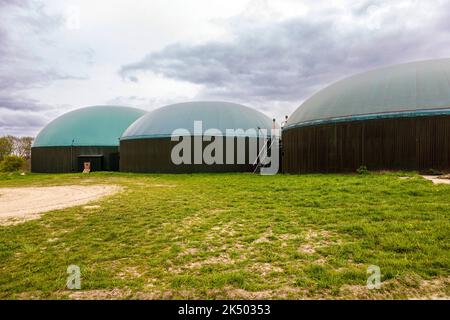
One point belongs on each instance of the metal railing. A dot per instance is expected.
(258, 163)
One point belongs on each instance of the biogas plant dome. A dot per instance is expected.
(146, 145)
(213, 114)
(402, 90)
(89, 134)
(89, 126)
(395, 117)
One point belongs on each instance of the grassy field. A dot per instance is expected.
(234, 236)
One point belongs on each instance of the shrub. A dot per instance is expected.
(433, 172)
(11, 164)
(362, 170)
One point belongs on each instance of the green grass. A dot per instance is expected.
(234, 236)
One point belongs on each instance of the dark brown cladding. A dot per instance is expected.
(153, 155)
(418, 143)
(66, 159)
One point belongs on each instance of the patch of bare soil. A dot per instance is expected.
(265, 236)
(265, 268)
(408, 288)
(129, 273)
(411, 287)
(445, 176)
(22, 204)
(279, 293)
(221, 259)
(249, 295)
(188, 252)
(225, 230)
(104, 294)
(438, 179)
(316, 239)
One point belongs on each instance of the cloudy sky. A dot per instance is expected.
(58, 55)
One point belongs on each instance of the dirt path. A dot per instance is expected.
(437, 180)
(21, 204)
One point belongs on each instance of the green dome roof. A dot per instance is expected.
(90, 126)
(214, 115)
(412, 89)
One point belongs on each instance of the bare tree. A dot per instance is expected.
(19, 146)
(23, 148)
(6, 146)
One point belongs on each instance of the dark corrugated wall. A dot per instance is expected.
(65, 159)
(154, 155)
(393, 144)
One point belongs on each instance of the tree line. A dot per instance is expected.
(15, 153)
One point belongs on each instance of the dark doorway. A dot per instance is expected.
(114, 161)
(95, 162)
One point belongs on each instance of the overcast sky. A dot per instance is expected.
(58, 55)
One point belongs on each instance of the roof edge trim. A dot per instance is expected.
(77, 145)
(372, 116)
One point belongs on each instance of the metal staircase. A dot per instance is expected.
(260, 162)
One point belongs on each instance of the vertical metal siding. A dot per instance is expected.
(64, 159)
(391, 144)
(154, 155)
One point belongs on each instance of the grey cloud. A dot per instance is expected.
(26, 77)
(22, 32)
(21, 103)
(19, 122)
(289, 60)
(24, 26)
